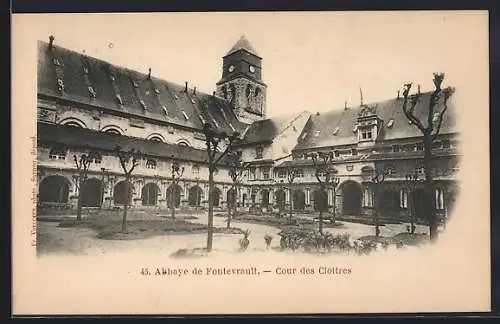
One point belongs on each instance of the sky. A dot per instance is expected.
(314, 61)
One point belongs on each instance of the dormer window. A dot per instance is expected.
(85, 70)
(56, 61)
(192, 101)
(92, 92)
(119, 99)
(157, 91)
(176, 96)
(354, 152)
(112, 77)
(134, 83)
(60, 84)
(419, 147)
(366, 134)
(185, 115)
(143, 104)
(390, 123)
(151, 164)
(164, 108)
(336, 130)
(336, 153)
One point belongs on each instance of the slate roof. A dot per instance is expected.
(76, 137)
(79, 72)
(242, 44)
(266, 130)
(319, 130)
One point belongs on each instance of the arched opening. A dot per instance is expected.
(54, 189)
(388, 204)
(112, 130)
(120, 196)
(195, 194)
(280, 198)
(244, 199)
(299, 199)
(320, 200)
(149, 194)
(92, 193)
(351, 198)
(265, 198)
(231, 198)
(73, 122)
(174, 196)
(216, 197)
(183, 143)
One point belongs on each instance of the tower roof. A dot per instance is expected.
(244, 44)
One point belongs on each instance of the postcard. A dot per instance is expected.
(250, 163)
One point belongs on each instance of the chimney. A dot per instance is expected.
(149, 74)
(186, 87)
(398, 94)
(418, 88)
(194, 90)
(51, 41)
(213, 94)
(345, 105)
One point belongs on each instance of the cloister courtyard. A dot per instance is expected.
(155, 231)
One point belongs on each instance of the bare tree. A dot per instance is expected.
(177, 172)
(82, 166)
(236, 169)
(291, 174)
(325, 174)
(376, 180)
(430, 126)
(212, 140)
(129, 160)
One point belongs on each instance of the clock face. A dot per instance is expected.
(252, 68)
(231, 68)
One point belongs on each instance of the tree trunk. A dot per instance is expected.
(125, 207)
(79, 203)
(334, 206)
(291, 207)
(431, 212)
(375, 212)
(321, 222)
(210, 210)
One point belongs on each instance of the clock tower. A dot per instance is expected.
(241, 82)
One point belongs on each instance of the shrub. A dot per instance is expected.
(244, 242)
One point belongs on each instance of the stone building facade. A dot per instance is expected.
(86, 104)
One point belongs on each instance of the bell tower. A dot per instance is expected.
(241, 82)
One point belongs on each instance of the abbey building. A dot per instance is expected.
(88, 104)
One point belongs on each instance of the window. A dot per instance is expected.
(151, 164)
(265, 173)
(192, 101)
(112, 131)
(446, 144)
(119, 99)
(281, 173)
(419, 147)
(317, 133)
(134, 83)
(56, 61)
(165, 110)
(354, 152)
(299, 173)
(253, 174)
(366, 134)
(60, 84)
(195, 169)
(390, 123)
(97, 158)
(336, 153)
(57, 153)
(112, 77)
(403, 199)
(157, 91)
(355, 128)
(396, 148)
(439, 199)
(85, 70)
(259, 150)
(367, 197)
(420, 170)
(390, 170)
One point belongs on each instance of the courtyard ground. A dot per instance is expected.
(54, 239)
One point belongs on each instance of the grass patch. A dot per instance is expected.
(109, 228)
